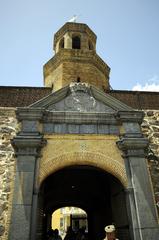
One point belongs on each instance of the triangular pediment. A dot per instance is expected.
(80, 97)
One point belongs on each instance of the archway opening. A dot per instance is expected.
(97, 192)
(76, 42)
(69, 217)
(61, 44)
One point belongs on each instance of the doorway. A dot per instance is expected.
(69, 217)
(95, 191)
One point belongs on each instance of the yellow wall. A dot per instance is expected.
(95, 150)
(56, 219)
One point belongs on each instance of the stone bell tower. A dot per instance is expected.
(75, 59)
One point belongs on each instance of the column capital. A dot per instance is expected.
(28, 113)
(133, 146)
(28, 145)
(130, 116)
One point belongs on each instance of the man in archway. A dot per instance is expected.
(110, 233)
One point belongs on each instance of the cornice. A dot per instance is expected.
(132, 143)
(90, 90)
(28, 144)
(79, 118)
(133, 147)
(130, 116)
(27, 113)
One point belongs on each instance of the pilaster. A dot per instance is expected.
(27, 145)
(139, 193)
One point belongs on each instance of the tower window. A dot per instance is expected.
(61, 44)
(76, 43)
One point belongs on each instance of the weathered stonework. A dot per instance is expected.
(150, 128)
(8, 126)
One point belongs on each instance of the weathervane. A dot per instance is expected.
(73, 19)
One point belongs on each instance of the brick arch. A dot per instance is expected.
(98, 160)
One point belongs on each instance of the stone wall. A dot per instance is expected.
(8, 125)
(150, 127)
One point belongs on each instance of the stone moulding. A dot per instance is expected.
(88, 89)
(28, 113)
(130, 116)
(133, 143)
(133, 146)
(79, 118)
(28, 145)
(79, 158)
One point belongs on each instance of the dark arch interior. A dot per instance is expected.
(61, 44)
(97, 192)
(76, 42)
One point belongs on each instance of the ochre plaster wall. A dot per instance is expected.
(94, 150)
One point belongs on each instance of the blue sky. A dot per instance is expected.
(127, 38)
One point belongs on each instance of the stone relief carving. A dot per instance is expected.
(80, 99)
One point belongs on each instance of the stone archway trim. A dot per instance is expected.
(101, 161)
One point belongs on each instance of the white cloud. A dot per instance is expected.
(151, 85)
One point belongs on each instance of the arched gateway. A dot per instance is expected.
(99, 193)
(81, 147)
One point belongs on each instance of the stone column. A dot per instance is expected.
(84, 42)
(140, 200)
(68, 41)
(27, 144)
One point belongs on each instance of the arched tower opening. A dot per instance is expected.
(76, 42)
(61, 43)
(97, 192)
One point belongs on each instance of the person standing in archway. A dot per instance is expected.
(70, 235)
(56, 235)
(110, 233)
